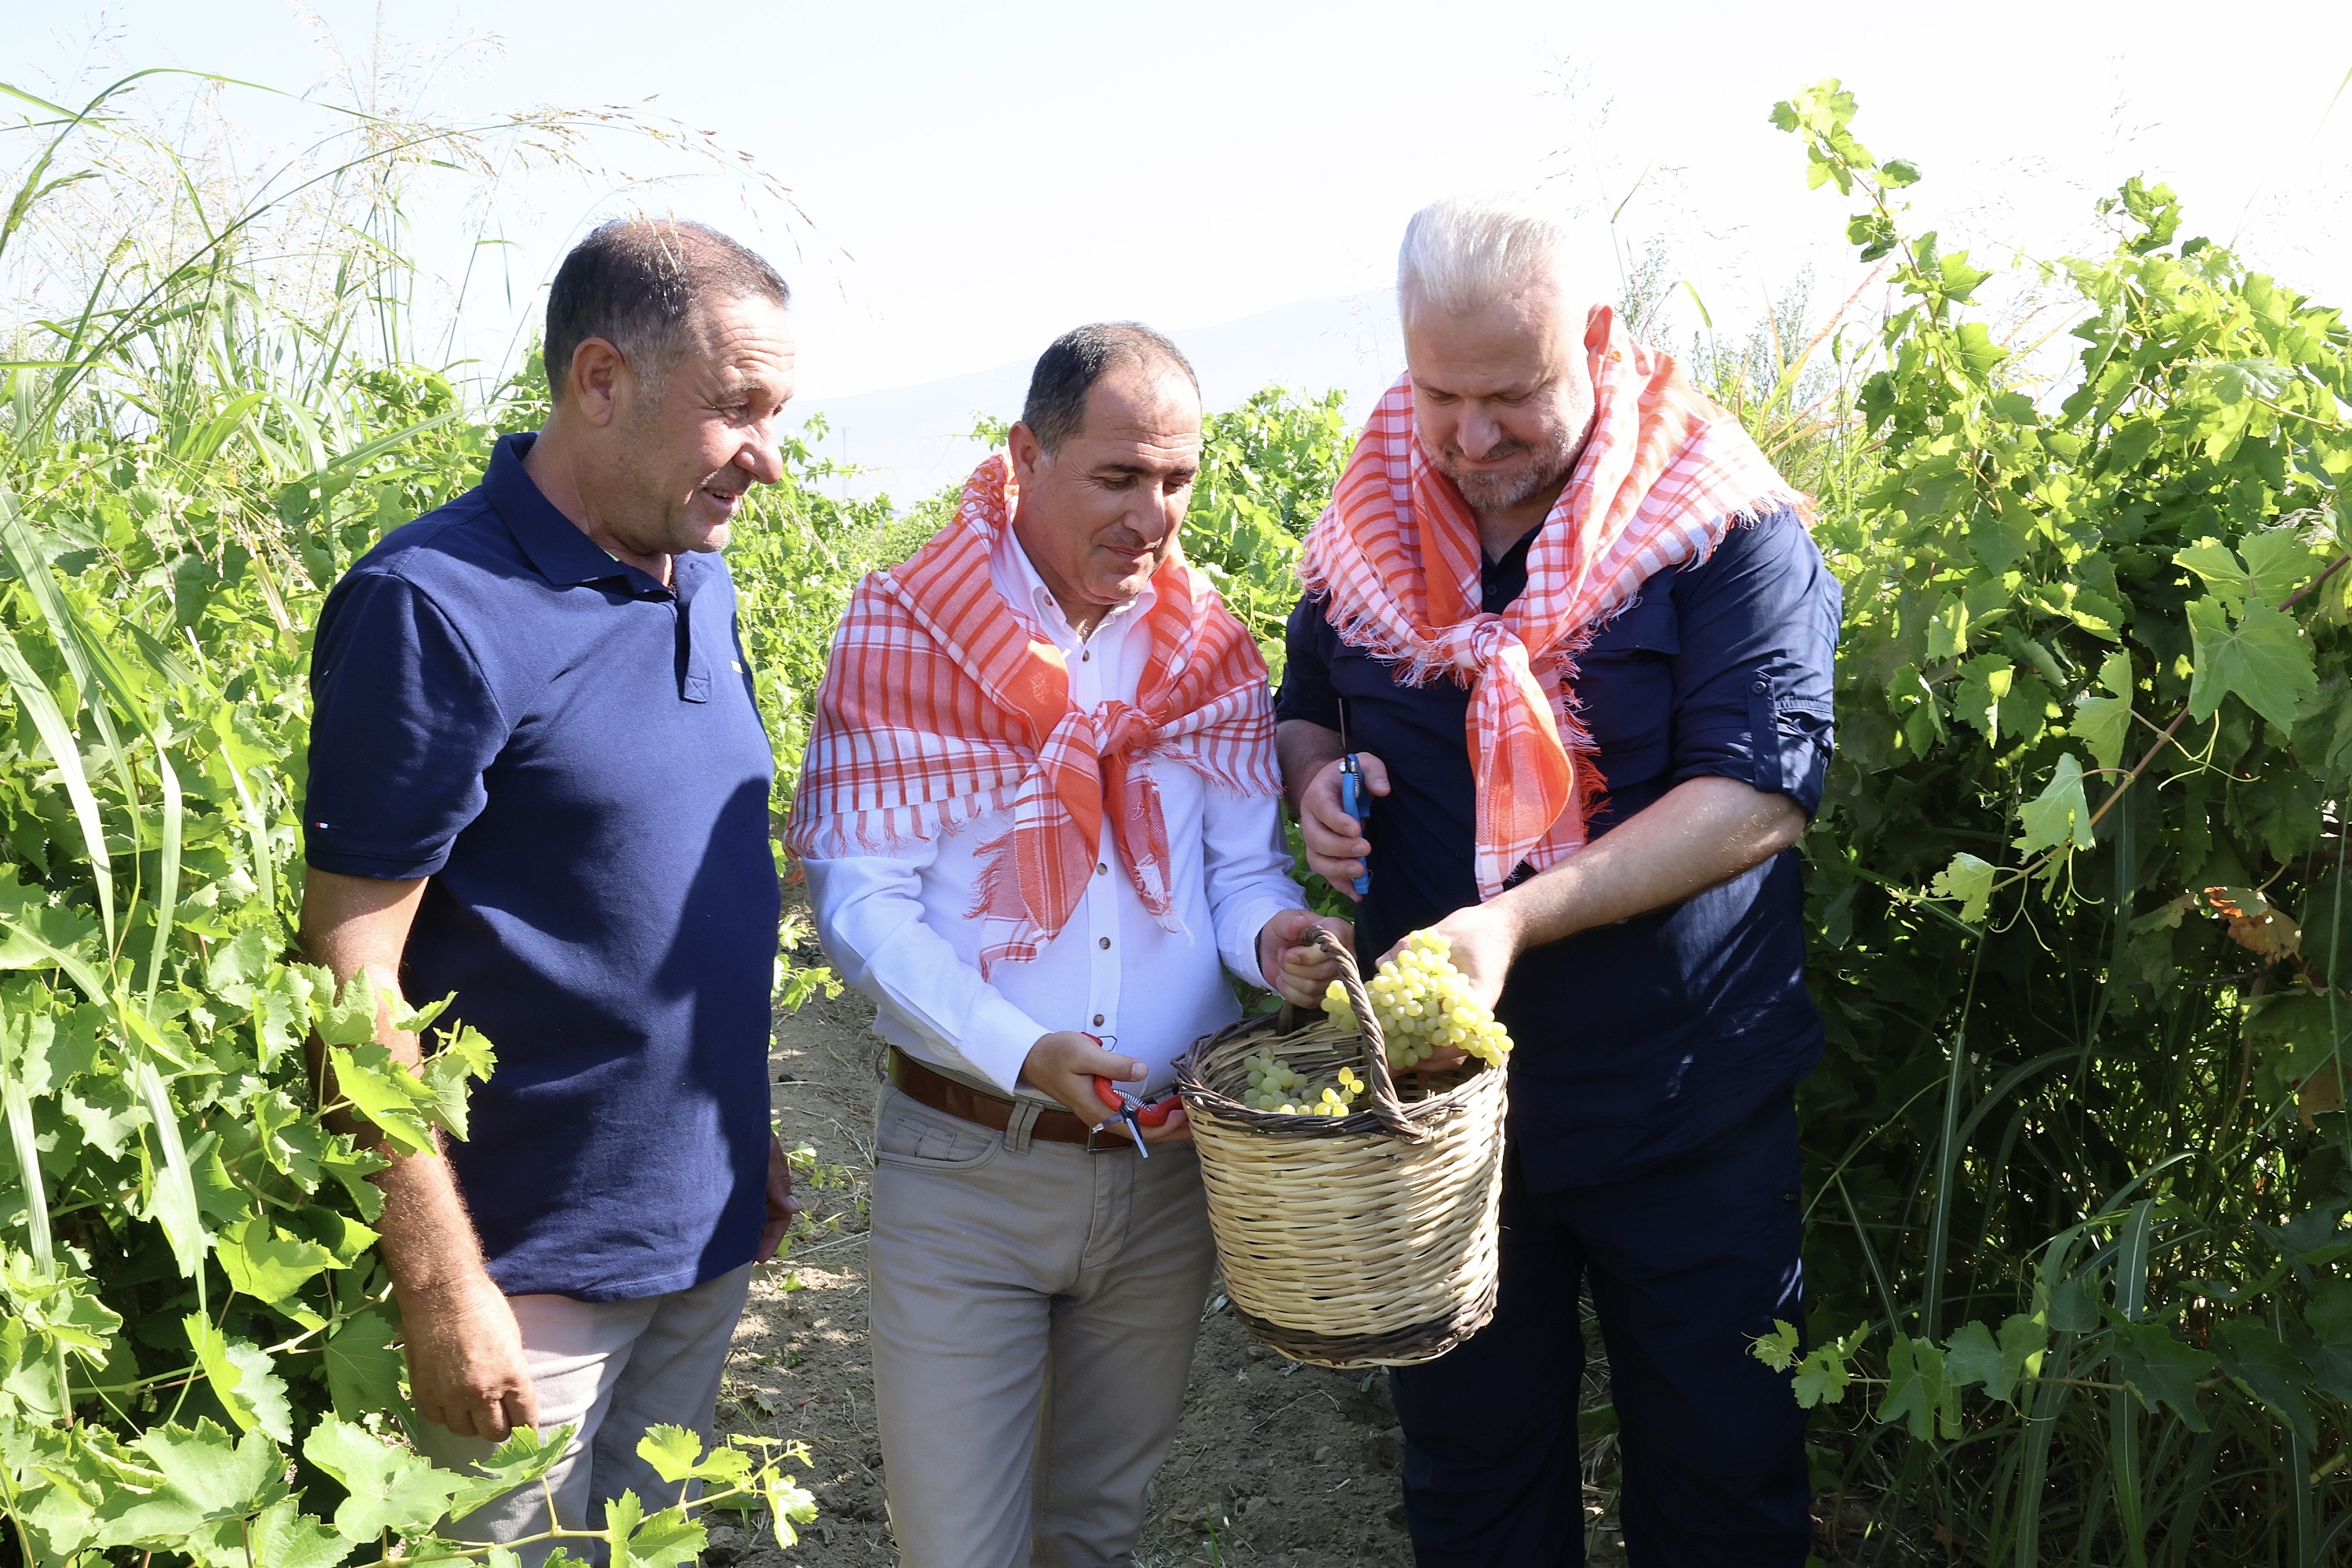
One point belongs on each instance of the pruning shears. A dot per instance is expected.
(1134, 1113)
(1353, 798)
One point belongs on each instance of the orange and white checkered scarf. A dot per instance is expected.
(1397, 553)
(942, 703)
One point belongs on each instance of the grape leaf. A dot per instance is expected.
(2160, 1369)
(2116, 674)
(2278, 564)
(1971, 1355)
(386, 1094)
(362, 1369)
(201, 1476)
(663, 1540)
(390, 1489)
(266, 1263)
(523, 1458)
(1984, 681)
(2253, 1353)
(1918, 1392)
(282, 1536)
(2102, 724)
(243, 1379)
(1969, 879)
(2095, 614)
(2224, 575)
(671, 1451)
(2263, 660)
(2058, 816)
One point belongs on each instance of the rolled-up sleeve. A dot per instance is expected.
(1754, 677)
(403, 726)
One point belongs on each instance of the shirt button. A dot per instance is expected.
(1086, 655)
(1098, 1020)
(1101, 869)
(1104, 943)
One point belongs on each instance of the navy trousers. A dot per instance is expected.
(1686, 1264)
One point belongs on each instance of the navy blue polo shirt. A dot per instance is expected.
(1646, 1039)
(571, 752)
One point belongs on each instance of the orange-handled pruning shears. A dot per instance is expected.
(1136, 1115)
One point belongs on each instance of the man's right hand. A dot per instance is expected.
(466, 1367)
(1066, 1063)
(1336, 845)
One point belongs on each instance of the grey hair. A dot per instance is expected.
(1464, 253)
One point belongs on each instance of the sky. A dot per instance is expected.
(972, 178)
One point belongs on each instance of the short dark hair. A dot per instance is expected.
(635, 282)
(1067, 371)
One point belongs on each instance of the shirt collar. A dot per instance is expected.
(563, 553)
(1017, 579)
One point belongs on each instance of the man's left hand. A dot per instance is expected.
(782, 1208)
(1292, 964)
(1485, 944)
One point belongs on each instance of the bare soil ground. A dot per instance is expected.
(1275, 1462)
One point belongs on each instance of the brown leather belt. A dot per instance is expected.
(994, 1111)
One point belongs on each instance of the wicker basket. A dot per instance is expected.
(1359, 1240)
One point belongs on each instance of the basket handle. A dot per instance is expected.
(1386, 1108)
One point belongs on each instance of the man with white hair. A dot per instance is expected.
(1573, 624)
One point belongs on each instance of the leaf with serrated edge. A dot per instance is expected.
(1969, 879)
(205, 1476)
(2263, 660)
(362, 1369)
(523, 1458)
(671, 1451)
(2102, 724)
(390, 1488)
(665, 1541)
(2059, 815)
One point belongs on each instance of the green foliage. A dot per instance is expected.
(199, 1351)
(2078, 1141)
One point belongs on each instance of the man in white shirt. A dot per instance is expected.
(1040, 818)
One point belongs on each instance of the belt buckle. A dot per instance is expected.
(1108, 1137)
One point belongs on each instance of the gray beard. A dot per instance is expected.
(1547, 466)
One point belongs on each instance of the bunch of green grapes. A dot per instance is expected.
(1275, 1085)
(1423, 1004)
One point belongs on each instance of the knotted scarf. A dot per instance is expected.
(940, 704)
(1397, 554)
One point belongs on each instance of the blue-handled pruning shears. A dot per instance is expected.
(1353, 798)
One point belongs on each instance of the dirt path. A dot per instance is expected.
(1275, 1462)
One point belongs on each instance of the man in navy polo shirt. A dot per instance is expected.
(1578, 637)
(538, 780)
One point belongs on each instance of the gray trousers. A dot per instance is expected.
(610, 1370)
(1033, 1309)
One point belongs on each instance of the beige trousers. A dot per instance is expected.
(1033, 1309)
(609, 1370)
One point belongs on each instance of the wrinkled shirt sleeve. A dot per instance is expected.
(1754, 676)
(869, 920)
(402, 726)
(1245, 861)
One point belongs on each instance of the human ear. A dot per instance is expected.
(1027, 450)
(598, 371)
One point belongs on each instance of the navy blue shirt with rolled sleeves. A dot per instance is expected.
(571, 752)
(1653, 1037)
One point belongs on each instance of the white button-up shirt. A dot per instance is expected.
(898, 925)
